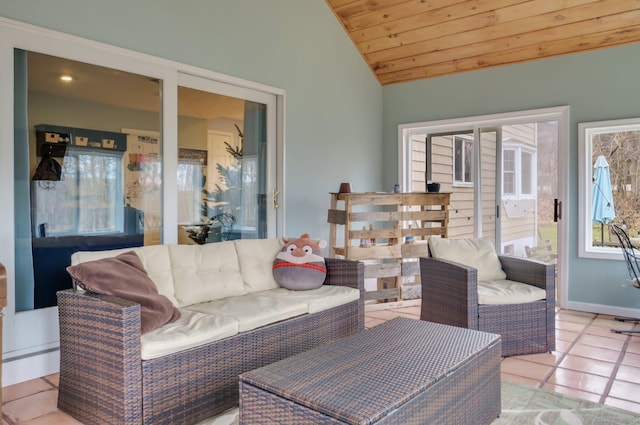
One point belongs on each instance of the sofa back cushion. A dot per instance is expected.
(205, 272)
(478, 253)
(124, 276)
(256, 262)
(154, 258)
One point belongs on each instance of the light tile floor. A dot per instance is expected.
(590, 362)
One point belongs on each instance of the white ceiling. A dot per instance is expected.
(108, 86)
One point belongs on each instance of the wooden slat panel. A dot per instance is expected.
(382, 270)
(411, 268)
(378, 251)
(383, 294)
(337, 216)
(371, 198)
(378, 234)
(430, 215)
(375, 216)
(415, 250)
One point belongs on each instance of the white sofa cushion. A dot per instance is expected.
(154, 258)
(322, 298)
(508, 292)
(205, 272)
(254, 310)
(256, 262)
(190, 330)
(477, 253)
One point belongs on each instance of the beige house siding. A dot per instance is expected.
(518, 214)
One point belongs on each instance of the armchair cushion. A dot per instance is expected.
(508, 292)
(477, 253)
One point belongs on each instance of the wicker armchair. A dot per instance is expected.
(450, 296)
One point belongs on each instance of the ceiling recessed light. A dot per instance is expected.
(66, 78)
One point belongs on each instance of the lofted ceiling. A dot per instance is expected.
(405, 40)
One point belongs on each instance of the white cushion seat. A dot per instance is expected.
(254, 310)
(190, 330)
(322, 298)
(508, 292)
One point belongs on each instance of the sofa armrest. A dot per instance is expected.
(348, 273)
(449, 293)
(100, 364)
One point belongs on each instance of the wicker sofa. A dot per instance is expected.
(105, 377)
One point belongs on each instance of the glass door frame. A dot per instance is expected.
(559, 114)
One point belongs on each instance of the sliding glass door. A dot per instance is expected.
(131, 159)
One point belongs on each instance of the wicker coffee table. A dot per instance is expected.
(401, 372)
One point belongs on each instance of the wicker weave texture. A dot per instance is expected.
(104, 381)
(450, 296)
(402, 372)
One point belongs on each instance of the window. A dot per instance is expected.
(518, 172)
(463, 159)
(609, 184)
(87, 199)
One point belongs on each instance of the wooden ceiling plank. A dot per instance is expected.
(495, 18)
(390, 29)
(511, 31)
(336, 4)
(605, 39)
(549, 35)
(354, 10)
(399, 11)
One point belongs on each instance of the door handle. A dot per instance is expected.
(276, 193)
(557, 210)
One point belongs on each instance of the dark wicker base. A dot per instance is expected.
(103, 380)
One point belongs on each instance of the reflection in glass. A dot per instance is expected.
(106, 192)
(221, 167)
(615, 180)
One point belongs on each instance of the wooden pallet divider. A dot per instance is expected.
(410, 268)
(337, 217)
(424, 231)
(415, 250)
(382, 294)
(378, 251)
(375, 216)
(427, 215)
(382, 270)
(375, 233)
(370, 198)
(426, 198)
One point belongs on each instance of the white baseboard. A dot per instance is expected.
(29, 367)
(604, 309)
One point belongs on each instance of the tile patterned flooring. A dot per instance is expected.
(590, 363)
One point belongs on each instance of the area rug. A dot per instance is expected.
(522, 405)
(526, 405)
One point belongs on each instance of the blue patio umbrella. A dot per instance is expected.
(602, 199)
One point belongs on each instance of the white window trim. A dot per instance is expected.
(585, 194)
(519, 149)
(467, 139)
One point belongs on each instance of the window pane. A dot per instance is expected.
(468, 157)
(458, 159)
(527, 173)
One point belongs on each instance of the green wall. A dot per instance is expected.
(333, 101)
(598, 85)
